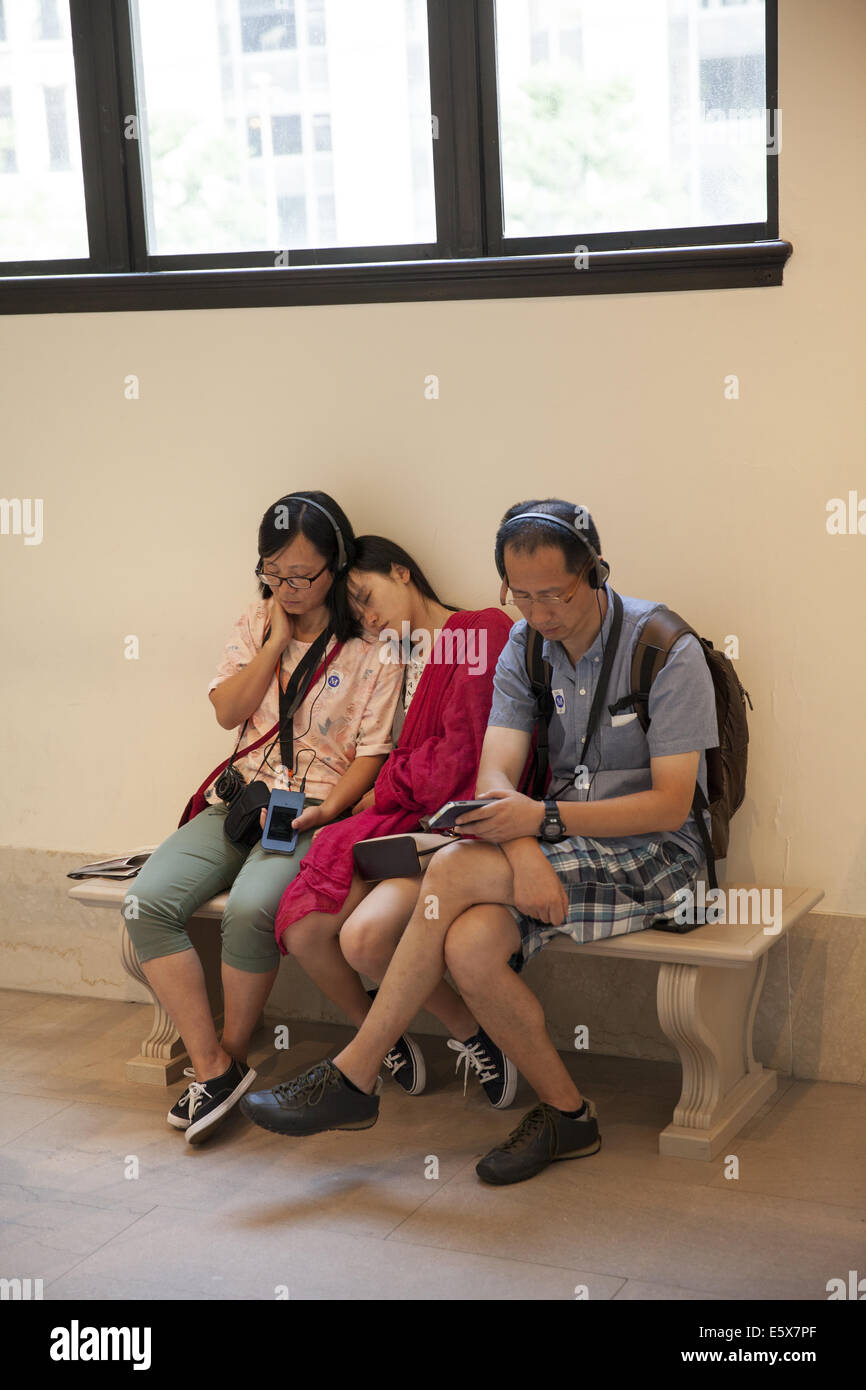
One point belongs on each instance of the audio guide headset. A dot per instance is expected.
(342, 558)
(599, 570)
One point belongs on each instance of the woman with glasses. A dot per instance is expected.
(298, 679)
(334, 923)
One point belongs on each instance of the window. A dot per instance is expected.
(321, 133)
(293, 219)
(55, 121)
(8, 164)
(316, 23)
(331, 150)
(266, 27)
(286, 134)
(49, 20)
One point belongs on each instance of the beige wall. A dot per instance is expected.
(716, 507)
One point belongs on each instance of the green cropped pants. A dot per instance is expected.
(194, 864)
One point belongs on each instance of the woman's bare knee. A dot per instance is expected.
(369, 936)
(303, 935)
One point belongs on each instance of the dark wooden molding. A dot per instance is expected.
(738, 266)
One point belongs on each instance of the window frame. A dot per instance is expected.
(120, 274)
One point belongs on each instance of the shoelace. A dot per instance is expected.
(183, 1099)
(305, 1086)
(395, 1060)
(198, 1093)
(476, 1057)
(535, 1119)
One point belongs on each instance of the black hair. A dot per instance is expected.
(289, 517)
(533, 533)
(376, 555)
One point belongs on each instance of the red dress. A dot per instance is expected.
(436, 760)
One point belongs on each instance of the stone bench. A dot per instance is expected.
(709, 984)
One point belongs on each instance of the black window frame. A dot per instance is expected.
(470, 259)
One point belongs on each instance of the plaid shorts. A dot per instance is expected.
(610, 890)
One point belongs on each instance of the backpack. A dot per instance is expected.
(726, 764)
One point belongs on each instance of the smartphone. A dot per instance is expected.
(283, 807)
(444, 818)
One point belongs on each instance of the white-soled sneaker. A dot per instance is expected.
(497, 1074)
(405, 1062)
(178, 1115)
(211, 1101)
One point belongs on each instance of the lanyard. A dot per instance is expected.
(294, 693)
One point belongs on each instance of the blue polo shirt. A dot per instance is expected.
(682, 711)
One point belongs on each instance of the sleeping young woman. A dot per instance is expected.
(300, 641)
(332, 921)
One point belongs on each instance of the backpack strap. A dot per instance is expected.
(662, 630)
(539, 673)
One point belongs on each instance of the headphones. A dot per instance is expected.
(342, 558)
(600, 570)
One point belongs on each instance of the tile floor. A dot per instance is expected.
(353, 1216)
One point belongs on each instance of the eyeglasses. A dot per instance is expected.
(525, 601)
(294, 581)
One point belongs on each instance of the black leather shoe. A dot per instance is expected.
(543, 1136)
(317, 1100)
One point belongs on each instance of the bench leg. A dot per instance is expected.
(708, 1013)
(163, 1056)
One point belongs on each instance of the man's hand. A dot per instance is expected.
(513, 816)
(538, 889)
(367, 801)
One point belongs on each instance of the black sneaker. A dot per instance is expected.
(496, 1073)
(210, 1101)
(405, 1062)
(317, 1100)
(543, 1136)
(178, 1115)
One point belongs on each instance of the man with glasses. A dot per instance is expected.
(603, 853)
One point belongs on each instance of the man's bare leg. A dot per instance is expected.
(369, 939)
(458, 877)
(478, 946)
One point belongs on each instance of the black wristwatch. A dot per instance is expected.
(552, 828)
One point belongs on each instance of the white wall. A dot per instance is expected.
(716, 507)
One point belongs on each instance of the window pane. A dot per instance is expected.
(42, 212)
(621, 115)
(284, 124)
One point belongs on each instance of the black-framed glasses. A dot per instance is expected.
(294, 581)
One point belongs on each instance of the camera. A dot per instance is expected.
(229, 784)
